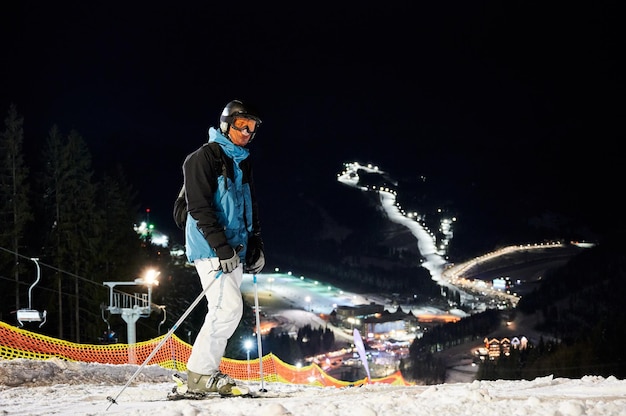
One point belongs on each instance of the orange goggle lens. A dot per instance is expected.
(244, 123)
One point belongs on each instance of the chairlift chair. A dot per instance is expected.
(30, 314)
(103, 308)
(162, 307)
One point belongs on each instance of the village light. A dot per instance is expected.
(247, 344)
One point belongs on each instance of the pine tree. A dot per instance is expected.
(75, 225)
(53, 176)
(120, 245)
(15, 210)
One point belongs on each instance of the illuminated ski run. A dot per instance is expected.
(426, 242)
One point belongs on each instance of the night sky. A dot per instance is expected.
(507, 106)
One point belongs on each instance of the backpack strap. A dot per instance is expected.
(217, 155)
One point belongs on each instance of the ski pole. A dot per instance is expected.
(167, 336)
(258, 332)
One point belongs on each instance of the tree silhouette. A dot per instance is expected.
(15, 210)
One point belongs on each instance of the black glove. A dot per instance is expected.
(257, 266)
(255, 258)
(229, 259)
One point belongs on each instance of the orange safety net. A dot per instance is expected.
(19, 343)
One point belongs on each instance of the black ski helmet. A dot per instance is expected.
(237, 108)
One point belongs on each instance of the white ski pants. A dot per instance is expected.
(225, 311)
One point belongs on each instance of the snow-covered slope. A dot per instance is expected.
(61, 388)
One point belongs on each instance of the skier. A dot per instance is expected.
(222, 232)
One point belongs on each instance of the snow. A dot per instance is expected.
(56, 387)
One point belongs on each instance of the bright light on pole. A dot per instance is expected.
(149, 278)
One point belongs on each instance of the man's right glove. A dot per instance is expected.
(229, 259)
(255, 258)
(257, 266)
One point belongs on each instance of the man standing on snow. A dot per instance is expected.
(222, 232)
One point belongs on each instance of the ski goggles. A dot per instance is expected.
(241, 124)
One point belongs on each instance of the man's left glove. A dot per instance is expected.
(255, 259)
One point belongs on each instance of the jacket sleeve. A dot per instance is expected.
(200, 186)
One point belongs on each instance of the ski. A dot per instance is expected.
(175, 395)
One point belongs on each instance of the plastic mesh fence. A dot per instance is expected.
(19, 343)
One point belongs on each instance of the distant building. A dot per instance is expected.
(496, 347)
(358, 312)
(373, 321)
(398, 324)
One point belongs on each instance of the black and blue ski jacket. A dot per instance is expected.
(221, 202)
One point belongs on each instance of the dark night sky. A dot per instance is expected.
(506, 101)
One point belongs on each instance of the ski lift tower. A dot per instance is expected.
(132, 306)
